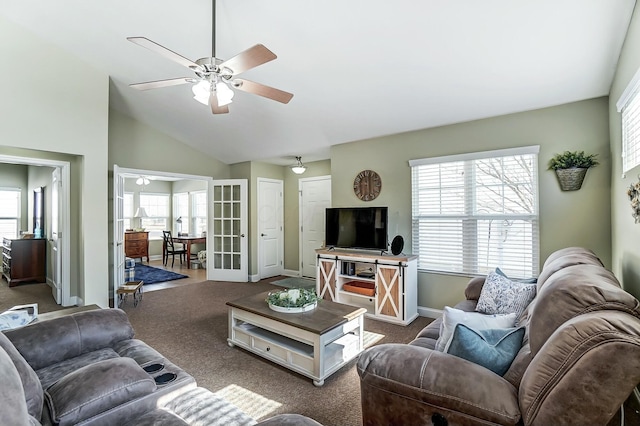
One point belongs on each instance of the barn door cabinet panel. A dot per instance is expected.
(385, 285)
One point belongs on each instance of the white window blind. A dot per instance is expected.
(181, 211)
(128, 210)
(629, 106)
(474, 212)
(199, 212)
(157, 208)
(9, 212)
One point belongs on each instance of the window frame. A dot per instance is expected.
(629, 103)
(155, 234)
(465, 220)
(18, 218)
(193, 224)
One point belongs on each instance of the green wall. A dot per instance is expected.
(564, 220)
(64, 115)
(625, 233)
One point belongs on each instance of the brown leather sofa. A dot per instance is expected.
(579, 361)
(87, 369)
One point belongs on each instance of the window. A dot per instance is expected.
(181, 211)
(474, 212)
(9, 212)
(128, 210)
(629, 106)
(199, 212)
(157, 208)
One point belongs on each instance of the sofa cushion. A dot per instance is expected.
(49, 342)
(31, 385)
(451, 317)
(500, 295)
(51, 374)
(494, 349)
(565, 258)
(96, 388)
(573, 291)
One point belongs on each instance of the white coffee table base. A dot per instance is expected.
(313, 355)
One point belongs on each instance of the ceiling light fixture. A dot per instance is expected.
(298, 168)
(143, 180)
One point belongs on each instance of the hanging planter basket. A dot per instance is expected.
(571, 179)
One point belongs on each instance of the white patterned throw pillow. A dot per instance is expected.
(500, 295)
(475, 320)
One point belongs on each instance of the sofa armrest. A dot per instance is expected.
(405, 384)
(474, 287)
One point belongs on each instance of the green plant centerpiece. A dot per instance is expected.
(571, 168)
(292, 300)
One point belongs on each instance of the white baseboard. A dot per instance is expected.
(254, 278)
(429, 312)
(291, 273)
(75, 300)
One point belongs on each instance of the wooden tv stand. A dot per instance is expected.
(393, 280)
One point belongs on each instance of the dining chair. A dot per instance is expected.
(172, 249)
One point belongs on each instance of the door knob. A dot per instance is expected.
(263, 235)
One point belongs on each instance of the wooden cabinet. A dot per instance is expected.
(136, 245)
(24, 260)
(385, 285)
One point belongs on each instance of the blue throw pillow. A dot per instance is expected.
(494, 349)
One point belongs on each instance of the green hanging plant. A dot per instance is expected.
(573, 159)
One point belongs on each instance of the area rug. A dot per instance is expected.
(295, 282)
(151, 275)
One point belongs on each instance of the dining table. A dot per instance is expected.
(188, 240)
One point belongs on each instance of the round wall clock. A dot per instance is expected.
(367, 185)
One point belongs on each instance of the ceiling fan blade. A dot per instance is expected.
(262, 90)
(161, 83)
(161, 50)
(213, 103)
(250, 58)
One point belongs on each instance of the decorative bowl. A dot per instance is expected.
(294, 300)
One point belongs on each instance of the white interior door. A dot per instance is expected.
(315, 197)
(227, 242)
(55, 241)
(270, 228)
(118, 232)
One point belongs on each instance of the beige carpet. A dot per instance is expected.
(189, 326)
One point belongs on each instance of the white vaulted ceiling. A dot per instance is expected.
(358, 69)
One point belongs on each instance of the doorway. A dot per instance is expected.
(314, 198)
(216, 222)
(59, 276)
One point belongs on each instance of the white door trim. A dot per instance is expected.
(259, 227)
(207, 179)
(301, 216)
(65, 206)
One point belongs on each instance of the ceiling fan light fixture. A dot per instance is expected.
(224, 94)
(298, 168)
(201, 92)
(142, 181)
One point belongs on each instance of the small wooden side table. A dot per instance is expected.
(132, 287)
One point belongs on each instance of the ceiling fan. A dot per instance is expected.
(215, 78)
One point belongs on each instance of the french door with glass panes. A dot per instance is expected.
(228, 231)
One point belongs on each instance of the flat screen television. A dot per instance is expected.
(356, 227)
